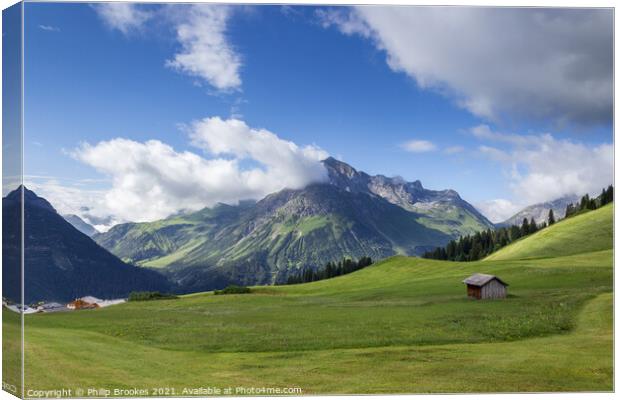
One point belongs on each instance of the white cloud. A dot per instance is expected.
(418, 146)
(205, 51)
(287, 165)
(498, 210)
(543, 168)
(540, 64)
(560, 168)
(151, 180)
(70, 197)
(126, 17)
(349, 23)
(484, 132)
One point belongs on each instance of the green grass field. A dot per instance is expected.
(403, 325)
(583, 233)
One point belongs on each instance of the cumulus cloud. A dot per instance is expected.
(484, 132)
(286, 164)
(540, 64)
(418, 146)
(349, 23)
(560, 168)
(70, 197)
(205, 51)
(542, 168)
(151, 180)
(125, 17)
(498, 210)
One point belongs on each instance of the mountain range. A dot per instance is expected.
(81, 225)
(61, 263)
(352, 214)
(540, 211)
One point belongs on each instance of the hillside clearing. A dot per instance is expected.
(577, 361)
(590, 231)
(402, 325)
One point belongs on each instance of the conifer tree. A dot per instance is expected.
(525, 227)
(515, 232)
(479, 245)
(551, 218)
(610, 194)
(331, 269)
(585, 202)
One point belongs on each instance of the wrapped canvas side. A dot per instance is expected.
(13, 307)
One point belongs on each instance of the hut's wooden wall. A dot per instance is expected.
(473, 291)
(493, 290)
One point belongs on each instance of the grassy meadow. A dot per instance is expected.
(403, 325)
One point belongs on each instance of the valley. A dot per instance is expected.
(205, 199)
(402, 325)
(353, 215)
(60, 262)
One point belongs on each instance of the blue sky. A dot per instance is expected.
(343, 81)
(11, 89)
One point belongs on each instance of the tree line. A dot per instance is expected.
(148, 296)
(233, 289)
(481, 244)
(330, 270)
(587, 204)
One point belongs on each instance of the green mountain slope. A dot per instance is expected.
(145, 242)
(586, 232)
(366, 332)
(60, 262)
(352, 215)
(540, 211)
(262, 243)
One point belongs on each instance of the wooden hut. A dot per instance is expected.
(484, 286)
(84, 303)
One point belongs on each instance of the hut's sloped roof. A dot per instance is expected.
(90, 299)
(482, 279)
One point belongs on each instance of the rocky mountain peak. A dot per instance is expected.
(346, 177)
(409, 195)
(540, 211)
(30, 199)
(338, 167)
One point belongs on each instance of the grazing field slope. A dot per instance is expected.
(352, 214)
(590, 231)
(402, 325)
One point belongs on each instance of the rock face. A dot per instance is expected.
(540, 211)
(439, 209)
(81, 225)
(353, 214)
(60, 262)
